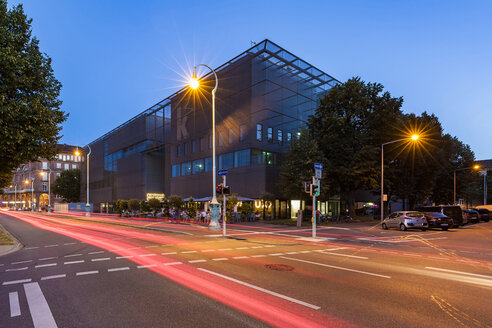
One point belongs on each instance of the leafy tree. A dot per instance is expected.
(133, 205)
(246, 208)
(67, 185)
(144, 206)
(165, 206)
(176, 202)
(121, 205)
(30, 115)
(154, 204)
(351, 123)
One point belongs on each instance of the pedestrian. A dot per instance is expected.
(299, 217)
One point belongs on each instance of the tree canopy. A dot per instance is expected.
(67, 185)
(30, 115)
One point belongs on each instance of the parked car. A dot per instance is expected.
(405, 220)
(453, 211)
(471, 215)
(483, 214)
(438, 220)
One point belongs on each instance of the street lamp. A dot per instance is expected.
(49, 188)
(475, 167)
(214, 205)
(414, 137)
(87, 205)
(32, 194)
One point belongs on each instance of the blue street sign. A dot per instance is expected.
(318, 166)
(222, 172)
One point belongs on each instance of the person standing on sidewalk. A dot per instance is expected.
(299, 218)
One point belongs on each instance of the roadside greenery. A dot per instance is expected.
(67, 185)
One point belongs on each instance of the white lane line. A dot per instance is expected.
(304, 252)
(55, 245)
(146, 266)
(153, 254)
(388, 252)
(69, 243)
(40, 311)
(256, 246)
(293, 300)
(13, 282)
(460, 272)
(27, 261)
(14, 304)
(173, 263)
(220, 259)
(347, 255)
(152, 246)
(269, 246)
(73, 255)
(276, 254)
(16, 269)
(124, 257)
(74, 262)
(242, 247)
(290, 253)
(169, 253)
(197, 261)
(225, 249)
(337, 267)
(240, 257)
(118, 269)
(188, 252)
(45, 265)
(97, 252)
(437, 257)
(47, 258)
(33, 247)
(84, 273)
(56, 276)
(101, 259)
(208, 250)
(261, 255)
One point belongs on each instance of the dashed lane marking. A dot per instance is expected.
(169, 253)
(208, 250)
(146, 266)
(260, 255)
(240, 257)
(97, 252)
(173, 263)
(84, 273)
(144, 255)
(220, 259)
(118, 269)
(13, 282)
(74, 262)
(225, 249)
(73, 255)
(197, 261)
(55, 245)
(347, 255)
(17, 269)
(48, 258)
(124, 257)
(101, 259)
(188, 252)
(20, 262)
(56, 276)
(242, 247)
(44, 265)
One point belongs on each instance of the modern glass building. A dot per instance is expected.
(264, 99)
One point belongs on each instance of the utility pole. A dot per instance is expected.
(224, 207)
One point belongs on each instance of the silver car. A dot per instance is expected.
(405, 220)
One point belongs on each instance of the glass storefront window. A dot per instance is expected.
(242, 158)
(198, 166)
(208, 164)
(175, 170)
(226, 161)
(186, 168)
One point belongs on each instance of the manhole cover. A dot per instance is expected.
(279, 267)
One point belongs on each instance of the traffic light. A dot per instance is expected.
(218, 189)
(315, 189)
(226, 190)
(307, 187)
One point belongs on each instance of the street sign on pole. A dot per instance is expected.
(318, 166)
(317, 173)
(222, 172)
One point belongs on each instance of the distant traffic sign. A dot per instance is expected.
(222, 172)
(318, 166)
(317, 174)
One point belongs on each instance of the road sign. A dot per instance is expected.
(317, 173)
(222, 172)
(318, 166)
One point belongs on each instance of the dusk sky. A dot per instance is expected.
(117, 58)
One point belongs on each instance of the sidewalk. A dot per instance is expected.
(8, 243)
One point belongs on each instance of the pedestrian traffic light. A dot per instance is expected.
(307, 187)
(226, 190)
(218, 189)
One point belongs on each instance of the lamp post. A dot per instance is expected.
(475, 167)
(32, 194)
(412, 138)
(485, 185)
(214, 205)
(87, 204)
(49, 188)
(15, 195)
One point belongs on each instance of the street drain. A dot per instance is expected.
(279, 267)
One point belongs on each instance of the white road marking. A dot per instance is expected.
(293, 300)
(14, 304)
(56, 276)
(346, 255)
(169, 253)
(97, 252)
(173, 263)
(118, 269)
(290, 253)
(269, 246)
(101, 259)
(44, 265)
(208, 250)
(73, 255)
(48, 258)
(337, 267)
(225, 249)
(40, 311)
(153, 254)
(146, 266)
(220, 259)
(124, 257)
(256, 246)
(304, 252)
(33, 247)
(151, 246)
(27, 261)
(69, 243)
(74, 262)
(55, 245)
(240, 257)
(13, 282)
(84, 273)
(261, 255)
(388, 252)
(188, 252)
(16, 269)
(276, 254)
(242, 247)
(197, 261)
(460, 272)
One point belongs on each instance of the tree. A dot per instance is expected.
(67, 185)
(176, 202)
(144, 206)
(165, 206)
(121, 205)
(30, 115)
(154, 204)
(133, 205)
(351, 123)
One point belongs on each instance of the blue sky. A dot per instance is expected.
(117, 58)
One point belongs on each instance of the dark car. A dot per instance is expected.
(471, 215)
(483, 214)
(452, 211)
(438, 220)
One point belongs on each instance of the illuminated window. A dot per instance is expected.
(289, 136)
(185, 148)
(198, 166)
(242, 132)
(45, 165)
(178, 151)
(58, 165)
(242, 158)
(67, 167)
(279, 136)
(226, 161)
(208, 164)
(193, 146)
(259, 132)
(74, 166)
(186, 168)
(270, 134)
(45, 186)
(175, 170)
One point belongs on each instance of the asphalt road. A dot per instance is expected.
(74, 271)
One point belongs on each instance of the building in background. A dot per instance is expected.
(35, 174)
(264, 99)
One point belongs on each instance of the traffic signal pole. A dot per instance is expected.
(313, 219)
(224, 209)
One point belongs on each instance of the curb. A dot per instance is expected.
(9, 248)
